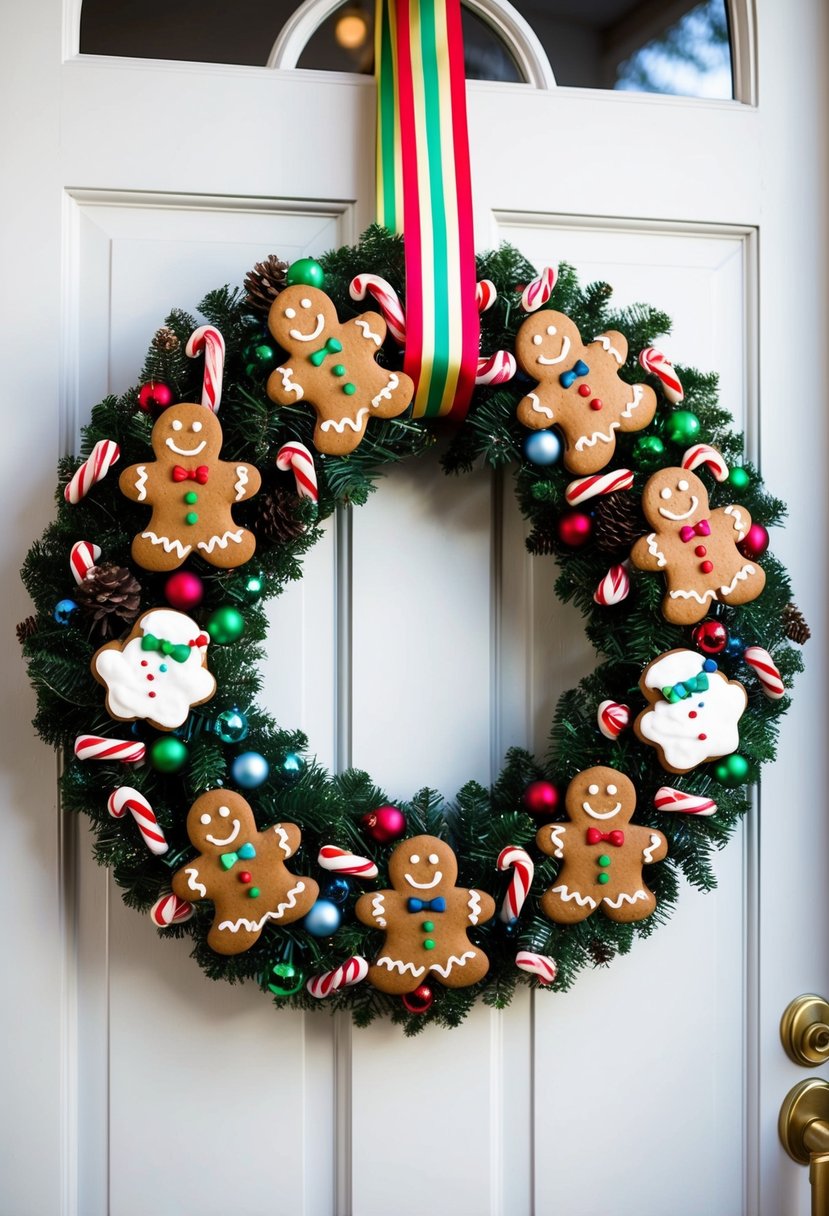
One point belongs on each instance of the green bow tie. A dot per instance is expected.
(687, 688)
(178, 653)
(228, 860)
(332, 347)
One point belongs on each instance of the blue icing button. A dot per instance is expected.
(162, 667)
(709, 665)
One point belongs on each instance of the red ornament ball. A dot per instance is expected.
(574, 529)
(184, 590)
(711, 637)
(420, 1000)
(154, 396)
(541, 798)
(755, 542)
(385, 824)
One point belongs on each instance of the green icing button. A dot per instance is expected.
(253, 892)
(428, 926)
(428, 944)
(191, 517)
(338, 370)
(604, 860)
(191, 496)
(349, 389)
(603, 878)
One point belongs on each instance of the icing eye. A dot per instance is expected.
(592, 789)
(611, 789)
(290, 313)
(177, 425)
(682, 485)
(434, 859)
(205, 819)
(551, 330)
(305, 303)
(196, 427)
(224, 811)
(666, 493)
(537, 340)
(414, 859)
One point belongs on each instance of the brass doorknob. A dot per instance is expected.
(804, 1133)
(804, 1030)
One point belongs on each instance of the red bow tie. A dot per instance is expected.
(703, 528)
(594, 836)
(199, 474)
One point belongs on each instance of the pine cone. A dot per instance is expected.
(25, 629)
(165, 340)
(264, 283)
(794, 624)
(601, 952)
(542, 540)
(111, 596)
(273, 516)
(618, 523)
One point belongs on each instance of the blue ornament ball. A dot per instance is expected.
(543, 447)
(64, 611)
(324, 919)
(249, 769)
(337, 889)
(292, 765)
(735, 646)
(231, 726)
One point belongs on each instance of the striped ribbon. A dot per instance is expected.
(424, 190)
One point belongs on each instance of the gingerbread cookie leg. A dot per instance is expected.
(747, 584)
(462, 970)
(565, 906)
(153, 552)
(629, 906)
(229, 549)
(683, 606)
(394, 976)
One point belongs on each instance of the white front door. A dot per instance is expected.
(136, 1085)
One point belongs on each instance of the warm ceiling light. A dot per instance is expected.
(351, 29)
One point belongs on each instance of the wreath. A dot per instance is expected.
(528, 901)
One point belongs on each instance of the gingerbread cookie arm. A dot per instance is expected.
(282, 386)
(734, 520)
(480, 907)
(611, 346)
(372, 909)
(187, 883)
(136, 482)
(551, 839)
(534, 413)
(287, 837)
(653, 844)
(647, 553)
(372, 327)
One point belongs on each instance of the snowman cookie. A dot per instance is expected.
(159, 672)
(191, 492)
(242, 870)
(694, 710)
(602, 854)
(425, 918)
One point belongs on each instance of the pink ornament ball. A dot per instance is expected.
(574, 529)
(541, 798)
(755, 542)
(184, 590)
(385, 824)
(154, 396)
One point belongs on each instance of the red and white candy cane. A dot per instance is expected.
(583, 488)
(94, 469)
(295, 456)
(655, 362)
(124, 799)
(486, 293)
(667, 798)
(612, 719)
(770, 679)
(703, 453)
(496, 369)
(82, 557)
(170, 910)
(538, 292)
(96, 747)
(208, 339)
(339, 861)
(388, 301)
(540, 965)
(615, 586)
(352, 971)
(519, 861)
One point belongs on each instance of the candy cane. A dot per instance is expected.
(612, 719)
(95, 747)
(538, 292)
(94, 469)
(497, 369)
(296, 456)
(170, 910)
(486, 293)
(583, 488)
(82, 557)
(614, 587)
(703, 453)
(519, 861)
(208, 339)
(339, 861)
(127, 799)
(388, 301)
(667, 798)
(352, 971)
(770, 679)
(654, 361)
(540, 965)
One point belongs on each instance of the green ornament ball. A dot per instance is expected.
(649, 450)
(254, 587)
(231, 726)
(168, 755)
(305, 271)
(739, 478)
(286, 979)
(225, 625)
(682, 426)
(733, 770)
(260, 358)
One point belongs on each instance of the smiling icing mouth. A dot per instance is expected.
(185, 451)
(228, 839)
(565, 351)
(677, 518)
(585, 806)
(301, 337)
(424, 886)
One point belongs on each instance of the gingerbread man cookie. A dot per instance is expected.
(191, 492)
(242, 870)
(425, 918)
(579, 389)
(693, 711)
(159, 672)
(694, 547)
(602, 853)
(331, 366)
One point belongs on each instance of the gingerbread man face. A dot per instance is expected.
(185, 432)
(425, 918)
(694, 547)
(332, 367)
(602, 854)
(579, 389)
(242, 870)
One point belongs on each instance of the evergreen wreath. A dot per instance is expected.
(480, 823)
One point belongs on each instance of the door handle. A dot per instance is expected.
(804, 1030)
(804, 1133)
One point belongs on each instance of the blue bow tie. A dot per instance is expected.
(228, 860)
(426, 905)
(579, 368)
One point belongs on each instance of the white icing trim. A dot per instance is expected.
(301, 337)
(241, 481)
(590, 441)
(356, 423)
(451, 962)
(283, 839)
(221, 541)
(655, 551)
(386, 392)
(396, 964)
(538, 408)
(288, 383)
(636, 400)
(168, 545)
(192, 882)
(556, 839)
(737, 520)
(424, 886)
(368, 332)
(624, 898)
(474, 906)
(220, 844)
(186, 451)
(567, 895)
(739, 577)
(378, 907)
(610, 348)
(141, 482)
(647, 854)
(253, 926)
(585, 806)
(693, 595)
(565, 351)
(679, 518)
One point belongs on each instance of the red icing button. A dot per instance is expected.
(700, 550)
(143, 662)
(150, 676)
(702, 736)
(150, 694)
(584, 390)
(245, 876)
(692, 713)
(596, 403)
(706, 567)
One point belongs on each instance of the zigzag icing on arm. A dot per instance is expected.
(582, 900)
(193, 884)
(396, 964)
(655, 551)
(253, 926)
(737, 521)
(222, 541)
(635, 400)
(241, 481)
(474, 906)
(624, 898)
(288, 383)
(356, 424)
(378, 908)
(647, 854)
(609, 347)
(141, 482)
(283, 839)
(739, 577)
(386, 392)
(453, 961)
(557, 840)
(538, 408)
(168, 545)
(368, 332)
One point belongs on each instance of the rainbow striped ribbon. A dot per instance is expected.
(424, 190)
